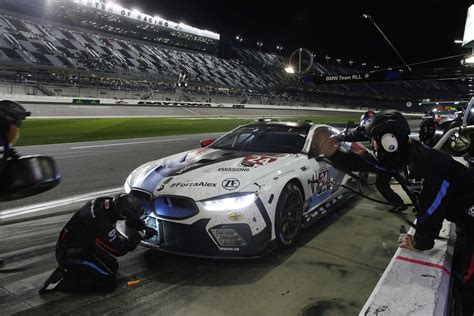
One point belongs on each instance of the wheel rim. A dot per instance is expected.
(291, 215)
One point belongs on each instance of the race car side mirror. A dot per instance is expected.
(28, 176)
(206, 142)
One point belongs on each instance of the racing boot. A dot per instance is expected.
(54, 279)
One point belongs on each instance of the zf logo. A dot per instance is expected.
(230, 184)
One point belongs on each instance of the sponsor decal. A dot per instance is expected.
(305, 168)
(194, 184)
(233, 169)
(236, 217)
(256, 160)
(160, 188)
(231, 184)
(319, 182)
(168, 180)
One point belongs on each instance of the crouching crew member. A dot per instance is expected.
(439, 187)
(88, 244)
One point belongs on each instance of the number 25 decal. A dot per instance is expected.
(258, 160)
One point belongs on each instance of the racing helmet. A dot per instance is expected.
(390, 130)
(365, 117)
(127, 206)
(12, 112)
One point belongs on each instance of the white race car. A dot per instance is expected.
(241, 195)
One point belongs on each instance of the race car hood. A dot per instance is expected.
(205, 173)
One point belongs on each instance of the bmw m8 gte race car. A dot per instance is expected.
(241, 195)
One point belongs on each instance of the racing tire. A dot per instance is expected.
(289, 214)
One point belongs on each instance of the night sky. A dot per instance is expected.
(421, 30)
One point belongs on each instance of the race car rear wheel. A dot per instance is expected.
(288, 215)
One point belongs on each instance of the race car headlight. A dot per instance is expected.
(126, 185)
(230, 203)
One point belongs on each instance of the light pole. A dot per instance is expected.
(368, 17)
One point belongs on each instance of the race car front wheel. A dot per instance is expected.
(288, 214)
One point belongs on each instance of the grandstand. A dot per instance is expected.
(87, 43)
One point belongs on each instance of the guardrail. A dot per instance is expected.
(415, 282)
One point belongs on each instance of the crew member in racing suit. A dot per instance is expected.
(382, 181)
(439, 187)
(12, 115)
(88, 244)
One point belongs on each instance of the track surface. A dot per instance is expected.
(96, 166)
(54, 110)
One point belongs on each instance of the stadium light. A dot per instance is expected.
(457, 41)
(136, 11)
(290, 70)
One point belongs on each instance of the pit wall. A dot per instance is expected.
(415, 282)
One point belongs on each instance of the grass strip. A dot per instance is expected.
(55, 131)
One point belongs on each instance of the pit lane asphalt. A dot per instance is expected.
(331, 270)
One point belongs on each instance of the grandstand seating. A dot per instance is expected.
(54, 45)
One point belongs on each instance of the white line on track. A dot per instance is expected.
(14, 212)
(129, 143)
(191, 111)
(90, 107)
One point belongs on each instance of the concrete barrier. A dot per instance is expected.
(415, 283)
(103, 101)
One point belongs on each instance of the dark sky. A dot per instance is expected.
(421, 30)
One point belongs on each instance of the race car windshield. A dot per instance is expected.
(257, 140)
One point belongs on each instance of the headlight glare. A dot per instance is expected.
(230, 203)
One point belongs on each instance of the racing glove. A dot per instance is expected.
(147, 233)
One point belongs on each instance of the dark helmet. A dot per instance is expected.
(127, 206)
(364, 118)
(390, 130)
(13, 112)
